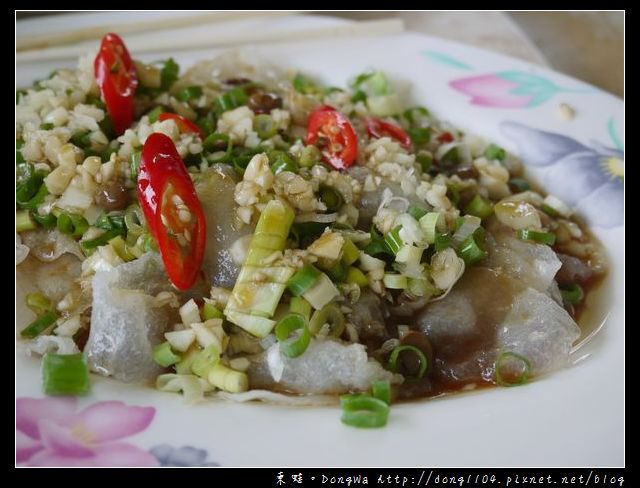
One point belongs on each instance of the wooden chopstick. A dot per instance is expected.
(211, 38)
(48, 40)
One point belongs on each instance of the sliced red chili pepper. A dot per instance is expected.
(172, 209)
(117, 78)
(379, 128)
(445, 137)
(184, 124)
(332, 132)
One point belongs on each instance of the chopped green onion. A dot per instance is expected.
(421, 287)
(332, 198)
(573, 295)
(207, 123)
(417, 212)
(304, 85)
(550, 211)
(303, 280)
(169, 74)
(300, 306)
(409, 255)
(39, 303)
(188, 358)
(296, 346)
(350, 252)
(102, 240)
(381, 389)
(48, 221)
(338, 273)
(355, 276)
(393, 240)
(232, 99)
(210, 311)
(470, 251)
(135, 165)
(205, 360)
(310, 156)
(420, 135)
(322, 292)
(395, 281)
(122, 249)
(110, 222)
(513, 361)
(363, 411)
(395, 356)
(227, 379)
(429, 223)
(442, 241)
(189, 93)
(65, 374)
(414, 114)
(495, 152)
(425, 160)
(164, 356)
(47, 126)
(19, 156)
(82, 139)
(519, 184)
(155, 114)
(39, 325)
(373, 83)
(480, 207)
(282, 161)
(451, 157)
(31, 190)
(264, 126)
(378, 244)
(24, 221)
(537, 236)
(220, 147)
(329, 314)
(72, 224)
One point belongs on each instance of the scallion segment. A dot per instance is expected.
(470, 251)
(230, 100)
(512, 369)
(73, 224)
(303, 280)
(519, 185)
(300, 306)
(574, 294)
(24, 221)
(48, 221)
(39, 303)
(39, 325)
(219, 146)
(540, 237)
(210, 311)
(290, 345)
(480, 207)
(393, 239)
(495, 152)
(381, 390)
(329, 315)
(264, 126)
(164, 356)
(363, 411)
(417, 212)
(65, 374)
(394, 360)
(189, 93)
(332, 198)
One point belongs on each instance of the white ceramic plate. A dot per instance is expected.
(574, 417)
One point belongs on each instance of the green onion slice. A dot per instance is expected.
(39, 303)
(548, 238)
(393, 239)
(519, 184)
(395, 356)
(417, 212)
(48, 221)
(381, 390)
(470, 251)
(65, 374)
(329, 314)
(300, 306)
(210, 311)
(264, 126)
(414, 114)
(480, 207)
(495, 152)
(573, 295)
(363, 411)
(72, 224)
(164, 356)
(512, 369)
(39, 325)
(189, 93)
(220, 147)
(293, 347)
(303, 280)
(332, 198)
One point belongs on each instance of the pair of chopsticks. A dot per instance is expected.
(59, 46)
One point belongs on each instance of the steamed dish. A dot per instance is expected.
(244, 231)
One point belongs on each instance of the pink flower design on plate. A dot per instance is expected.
(51, 432)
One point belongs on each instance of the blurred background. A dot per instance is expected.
(586, 45)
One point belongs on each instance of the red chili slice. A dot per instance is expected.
(445, 137)
(117, 78)
(172, 209)
(332, 132)
(184, 124)
(379, 128)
